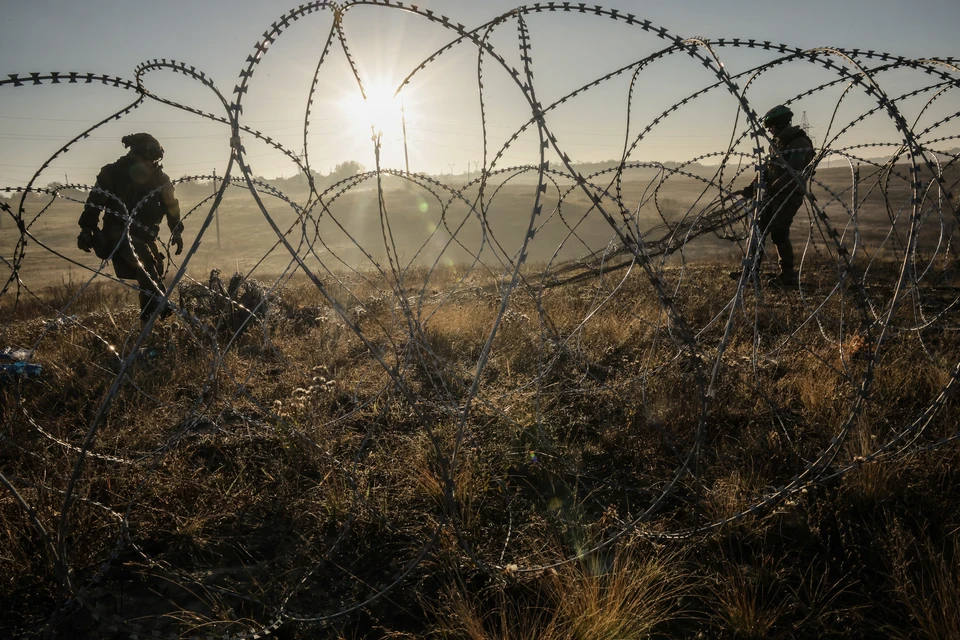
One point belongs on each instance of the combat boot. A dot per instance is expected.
(785, 280)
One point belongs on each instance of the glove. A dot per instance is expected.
(748, 192)
(177, 241)
(85, 240)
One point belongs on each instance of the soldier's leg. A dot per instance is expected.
(149, 279)
(767, 220)
(781, 238)
(780, 233)
(127, 265)
(764, 217)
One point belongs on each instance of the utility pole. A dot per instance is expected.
(216, 214)
(805, 125)
(300, 158)
(403, 123)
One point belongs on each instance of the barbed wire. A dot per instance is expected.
(854, 302)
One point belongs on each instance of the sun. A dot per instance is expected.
(381, 110)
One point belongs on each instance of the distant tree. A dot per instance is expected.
(346, 169)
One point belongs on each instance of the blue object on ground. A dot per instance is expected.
(20, 369)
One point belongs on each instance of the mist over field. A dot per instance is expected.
(419, 225)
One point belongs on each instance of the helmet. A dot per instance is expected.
(144, 145)
(778, 115)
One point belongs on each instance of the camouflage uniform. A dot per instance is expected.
(147, 195)
(785, 193)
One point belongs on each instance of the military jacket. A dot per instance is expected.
(794, 148)
(147, 196)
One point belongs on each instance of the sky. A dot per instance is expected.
(441, 104)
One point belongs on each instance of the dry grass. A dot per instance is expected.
(630, 595)
(289, 466)
(926, 581)
(750, 600)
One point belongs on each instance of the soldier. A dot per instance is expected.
(784, 197)
(135, 195)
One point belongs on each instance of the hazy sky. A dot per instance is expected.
(442, 112)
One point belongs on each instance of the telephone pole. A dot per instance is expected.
(403, 124)
(805, 125)
(216, 214)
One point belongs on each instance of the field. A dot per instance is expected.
(433, 452)
(424, 226)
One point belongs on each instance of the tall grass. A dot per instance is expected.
(628, 595)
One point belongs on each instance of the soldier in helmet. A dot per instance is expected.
(784, 196)
(135, 195)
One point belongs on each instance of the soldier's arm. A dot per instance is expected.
(96, 202)
(750, 190)
(172, 207)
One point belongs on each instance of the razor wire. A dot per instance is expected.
(857, 301)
